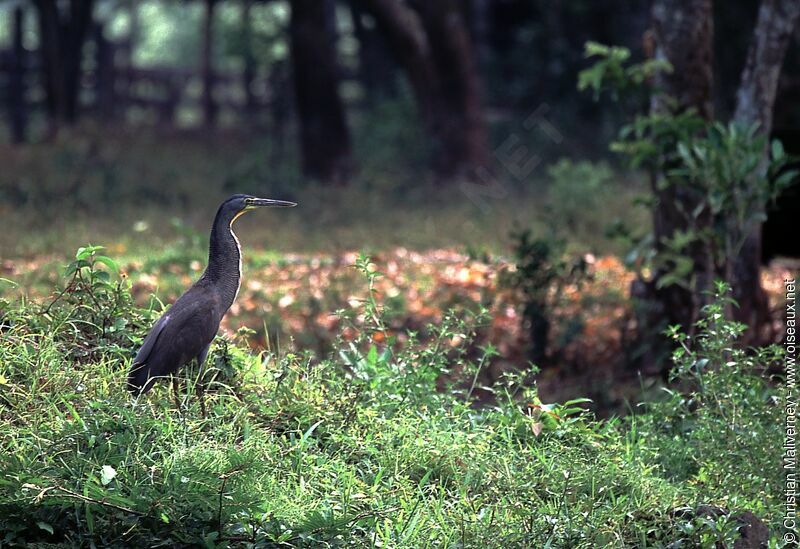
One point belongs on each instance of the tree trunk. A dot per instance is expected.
(409, 44)
(104, 77)
(62, 32)
(376, 69)
(464, 147)
(480, 29)
(324, 136)
(754, 105)
(682, 35)
(16, 85)
(249, 60)
(683, 32)
(207, 65)
(125, 86)
(434, 49)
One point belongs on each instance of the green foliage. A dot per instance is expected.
(727, 166)
(720, 170)
(540, 274)
(722, 430)
(92, 315)
(364, 448)
(651, 140)
(575, 189)
(612, 70)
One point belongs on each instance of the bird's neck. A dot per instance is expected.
(224, 260)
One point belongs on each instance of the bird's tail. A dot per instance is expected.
(139, 380)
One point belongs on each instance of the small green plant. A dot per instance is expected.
(93, 314)
(612, 71)
(720, 425)
(727, 166)
(575, 189)
(540, 274)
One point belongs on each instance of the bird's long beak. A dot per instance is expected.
(269, 203)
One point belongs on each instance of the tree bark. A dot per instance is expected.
(463, 128)
(432, 44)
(104, 74)
(249, 60)
(683, 32)
(16, 86)
(127, 80)
(409, 44)
(376, 68)
(207, 65)
(755, 100)
(324, 135)
(62, 32)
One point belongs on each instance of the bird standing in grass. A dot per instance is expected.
(184, 333)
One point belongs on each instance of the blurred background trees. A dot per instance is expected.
(469, 65)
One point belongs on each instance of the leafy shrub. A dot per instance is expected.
(540, 274)
(723, 429)
(722, 168)
(91, 315)
(577, 189)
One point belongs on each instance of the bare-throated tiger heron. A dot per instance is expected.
(185, 331)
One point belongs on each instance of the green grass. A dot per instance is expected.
(141, 189)
(367, 447)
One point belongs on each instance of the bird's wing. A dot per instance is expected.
(185, 330)
(180, 314)
(150, 340)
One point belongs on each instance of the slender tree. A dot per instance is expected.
(431, 42)
(248, 58)
(324, 135)
(17, 106)
(377, 71)
(207, 64)
(62, 32)
(683, 32)
(104, 74)
(755, 100)
(462, 124)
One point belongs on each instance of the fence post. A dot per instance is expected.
(104, 73)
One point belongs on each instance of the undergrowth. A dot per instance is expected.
(376, 445)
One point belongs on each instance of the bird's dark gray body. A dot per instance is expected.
(186, 330)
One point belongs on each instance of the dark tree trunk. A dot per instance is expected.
(16, 85)
(409, 43)
(434, 48)
(683, 33)
(104, 74)
(249, 60)
(207, 65)
(480, 24)
(376, 68)
(324, 136)
(464, 148)
(62, 32)
(126, 80)
(754, 105)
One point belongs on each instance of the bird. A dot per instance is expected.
(185, 331)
